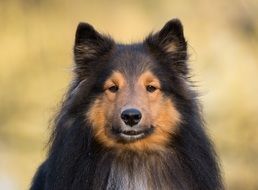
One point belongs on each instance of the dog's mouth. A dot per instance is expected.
(131, 135)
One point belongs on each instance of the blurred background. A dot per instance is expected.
(36, 40)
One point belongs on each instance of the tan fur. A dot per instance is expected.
(171, 47)
(88, 52)
(157, 110)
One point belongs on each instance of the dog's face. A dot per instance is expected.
(131, 104)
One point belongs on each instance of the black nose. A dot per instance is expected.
(131, 116)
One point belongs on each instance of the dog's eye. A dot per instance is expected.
(113, 88)
(151, 88)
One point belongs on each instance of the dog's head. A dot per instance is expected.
(131, 90)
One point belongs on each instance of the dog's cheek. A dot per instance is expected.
(96, 115)
(165, 114)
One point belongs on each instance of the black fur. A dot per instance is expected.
(77, 161)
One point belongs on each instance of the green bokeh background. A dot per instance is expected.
(36, 39)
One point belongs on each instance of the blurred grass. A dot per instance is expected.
(36, 54)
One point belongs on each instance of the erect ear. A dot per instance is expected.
(89, 44)
(169, 42)
(171, 36)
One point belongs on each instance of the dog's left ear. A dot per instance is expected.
(171, 36)
(170, 43)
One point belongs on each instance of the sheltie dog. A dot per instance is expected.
(130, 120)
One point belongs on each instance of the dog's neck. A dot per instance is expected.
(145, 171)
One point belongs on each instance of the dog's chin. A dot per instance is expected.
(131, 135)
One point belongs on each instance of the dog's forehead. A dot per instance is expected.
(132, 60)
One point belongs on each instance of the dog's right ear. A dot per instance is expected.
(89, 44)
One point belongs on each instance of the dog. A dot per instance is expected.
(130, 120)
